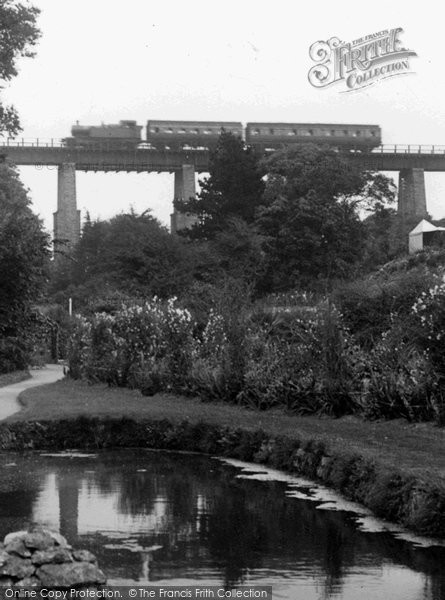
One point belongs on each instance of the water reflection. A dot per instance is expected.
(181, 519)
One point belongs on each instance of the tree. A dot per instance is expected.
(18, 35)
(131, 254)
(233, 189)
(238, 251)
(24, 256)
(386, 237)
(311, 216)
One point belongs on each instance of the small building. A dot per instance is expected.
(425, 235)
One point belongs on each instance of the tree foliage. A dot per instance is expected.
(131, 254)
(311, 215)
(18, 35)
(23, 264)
(386, 237)
(233, 189)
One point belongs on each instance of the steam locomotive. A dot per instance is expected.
(179, 135)
(126, 134)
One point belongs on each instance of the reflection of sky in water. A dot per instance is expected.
(46, 506)
(177, 519)
(99, 511)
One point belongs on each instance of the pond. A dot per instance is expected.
(184, 519)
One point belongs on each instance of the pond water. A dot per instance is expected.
(182, 519)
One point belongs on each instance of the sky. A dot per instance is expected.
(244, 60)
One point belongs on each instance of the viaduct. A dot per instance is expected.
(410, 161)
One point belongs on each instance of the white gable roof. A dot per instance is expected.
(424, 227)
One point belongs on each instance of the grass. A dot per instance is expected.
(13, 377)
(414, 449)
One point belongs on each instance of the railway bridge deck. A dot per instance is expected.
(411, 161)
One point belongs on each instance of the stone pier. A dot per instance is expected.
(412, 197)
(67, 217)
(185, 188)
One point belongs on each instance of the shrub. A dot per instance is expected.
(138, 346)
(369, 306)
(307, 365)
(221, 351)
(400, 382)
(304, 359)
(429, 311)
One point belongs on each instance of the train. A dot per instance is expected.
(125, 134)
(180, 135)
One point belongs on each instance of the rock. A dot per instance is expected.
(27, 582)
(42, 558)
(17, 567)
(85, 556)
(16, 546)
(39, 540)
(70, 574)
(14, 535)
(55, 555)
(58, 539)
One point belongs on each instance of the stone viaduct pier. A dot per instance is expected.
(410, 162)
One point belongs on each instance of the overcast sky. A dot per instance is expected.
(106, 60)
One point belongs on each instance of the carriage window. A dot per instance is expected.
(332, 131)
(271, 131)
(169, 130)
(358, 133)
(255, 132)
(373, 133)
(293, 132)
(311, 132)
(207, 132)
(345, 131)
(182, 131)
(195, 131)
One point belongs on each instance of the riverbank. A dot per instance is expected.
(394, 468)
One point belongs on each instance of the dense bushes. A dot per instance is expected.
(148, 346)
(305, 362)
(383, 359)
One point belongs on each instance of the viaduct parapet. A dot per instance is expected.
(410, 161)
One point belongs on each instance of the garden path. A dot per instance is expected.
(9, 403)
